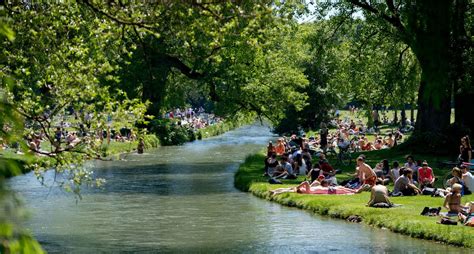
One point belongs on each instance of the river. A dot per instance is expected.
(182, 199)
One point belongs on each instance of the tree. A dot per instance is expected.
(13, 238)
(427, 27)
(229, 48)
(57, 61)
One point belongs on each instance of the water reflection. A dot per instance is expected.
(182, 199)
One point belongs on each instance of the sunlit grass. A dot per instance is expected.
(405, 219)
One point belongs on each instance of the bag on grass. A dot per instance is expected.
(428, 191)
(448, 221)
(431, 211)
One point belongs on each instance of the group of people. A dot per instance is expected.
(290, 158)
(194, 118)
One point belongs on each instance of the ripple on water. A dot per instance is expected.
(182, 199)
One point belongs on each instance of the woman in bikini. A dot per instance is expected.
(452, 202)
(323, 188)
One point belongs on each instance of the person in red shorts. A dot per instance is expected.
(365, 173)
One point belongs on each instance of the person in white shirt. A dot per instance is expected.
(468, 179)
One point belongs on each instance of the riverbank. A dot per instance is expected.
(405, 219)
(12, 164)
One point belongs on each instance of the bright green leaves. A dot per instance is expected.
(60, 58)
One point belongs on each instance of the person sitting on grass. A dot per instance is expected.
(381, 170)
(389, 142)
(425, 176)
(395, 171)
(452, 202)
(271, 164)
(280, 147)
(457, 176)
(468, 179)
(379, 197)
(378, 144)
(411, 164)
(365, 173)
(468, 219)
(270, 148)
(327, 170)
(284, 170)
(365, 145)
(404, 186)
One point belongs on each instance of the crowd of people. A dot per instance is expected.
(292, 157)
(194, 118)
(67, 135)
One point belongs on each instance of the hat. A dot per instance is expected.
(424, 163)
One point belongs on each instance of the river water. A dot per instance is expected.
(182, 199)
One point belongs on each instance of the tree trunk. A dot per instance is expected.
(463, 89)
(431, 44)
(403, 116)
(395, 117)
(434, 109)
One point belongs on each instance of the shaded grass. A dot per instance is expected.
(405, 219)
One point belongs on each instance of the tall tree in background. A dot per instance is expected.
(434, 32)
(230, 48)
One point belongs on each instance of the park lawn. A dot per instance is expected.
(405, 219)
(436, 162)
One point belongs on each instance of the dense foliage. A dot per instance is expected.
(101, 66)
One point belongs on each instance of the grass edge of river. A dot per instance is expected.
(405, 220)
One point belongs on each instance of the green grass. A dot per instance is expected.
(405, 219)
(224, 126)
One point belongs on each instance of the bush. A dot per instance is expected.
(169, 132)
(151, 141)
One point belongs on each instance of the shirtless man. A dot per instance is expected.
(365, 173)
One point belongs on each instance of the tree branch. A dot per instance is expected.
(394, 20)
(183, 68)
(401, 56)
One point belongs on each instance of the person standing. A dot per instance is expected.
(323, 139)
(141, 146)
(465, 150)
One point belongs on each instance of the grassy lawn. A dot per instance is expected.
(405, 219)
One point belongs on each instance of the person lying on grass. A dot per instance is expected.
(320, 186)
(452, 202)
(323, 188)
(314, 183)
(404, 186)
